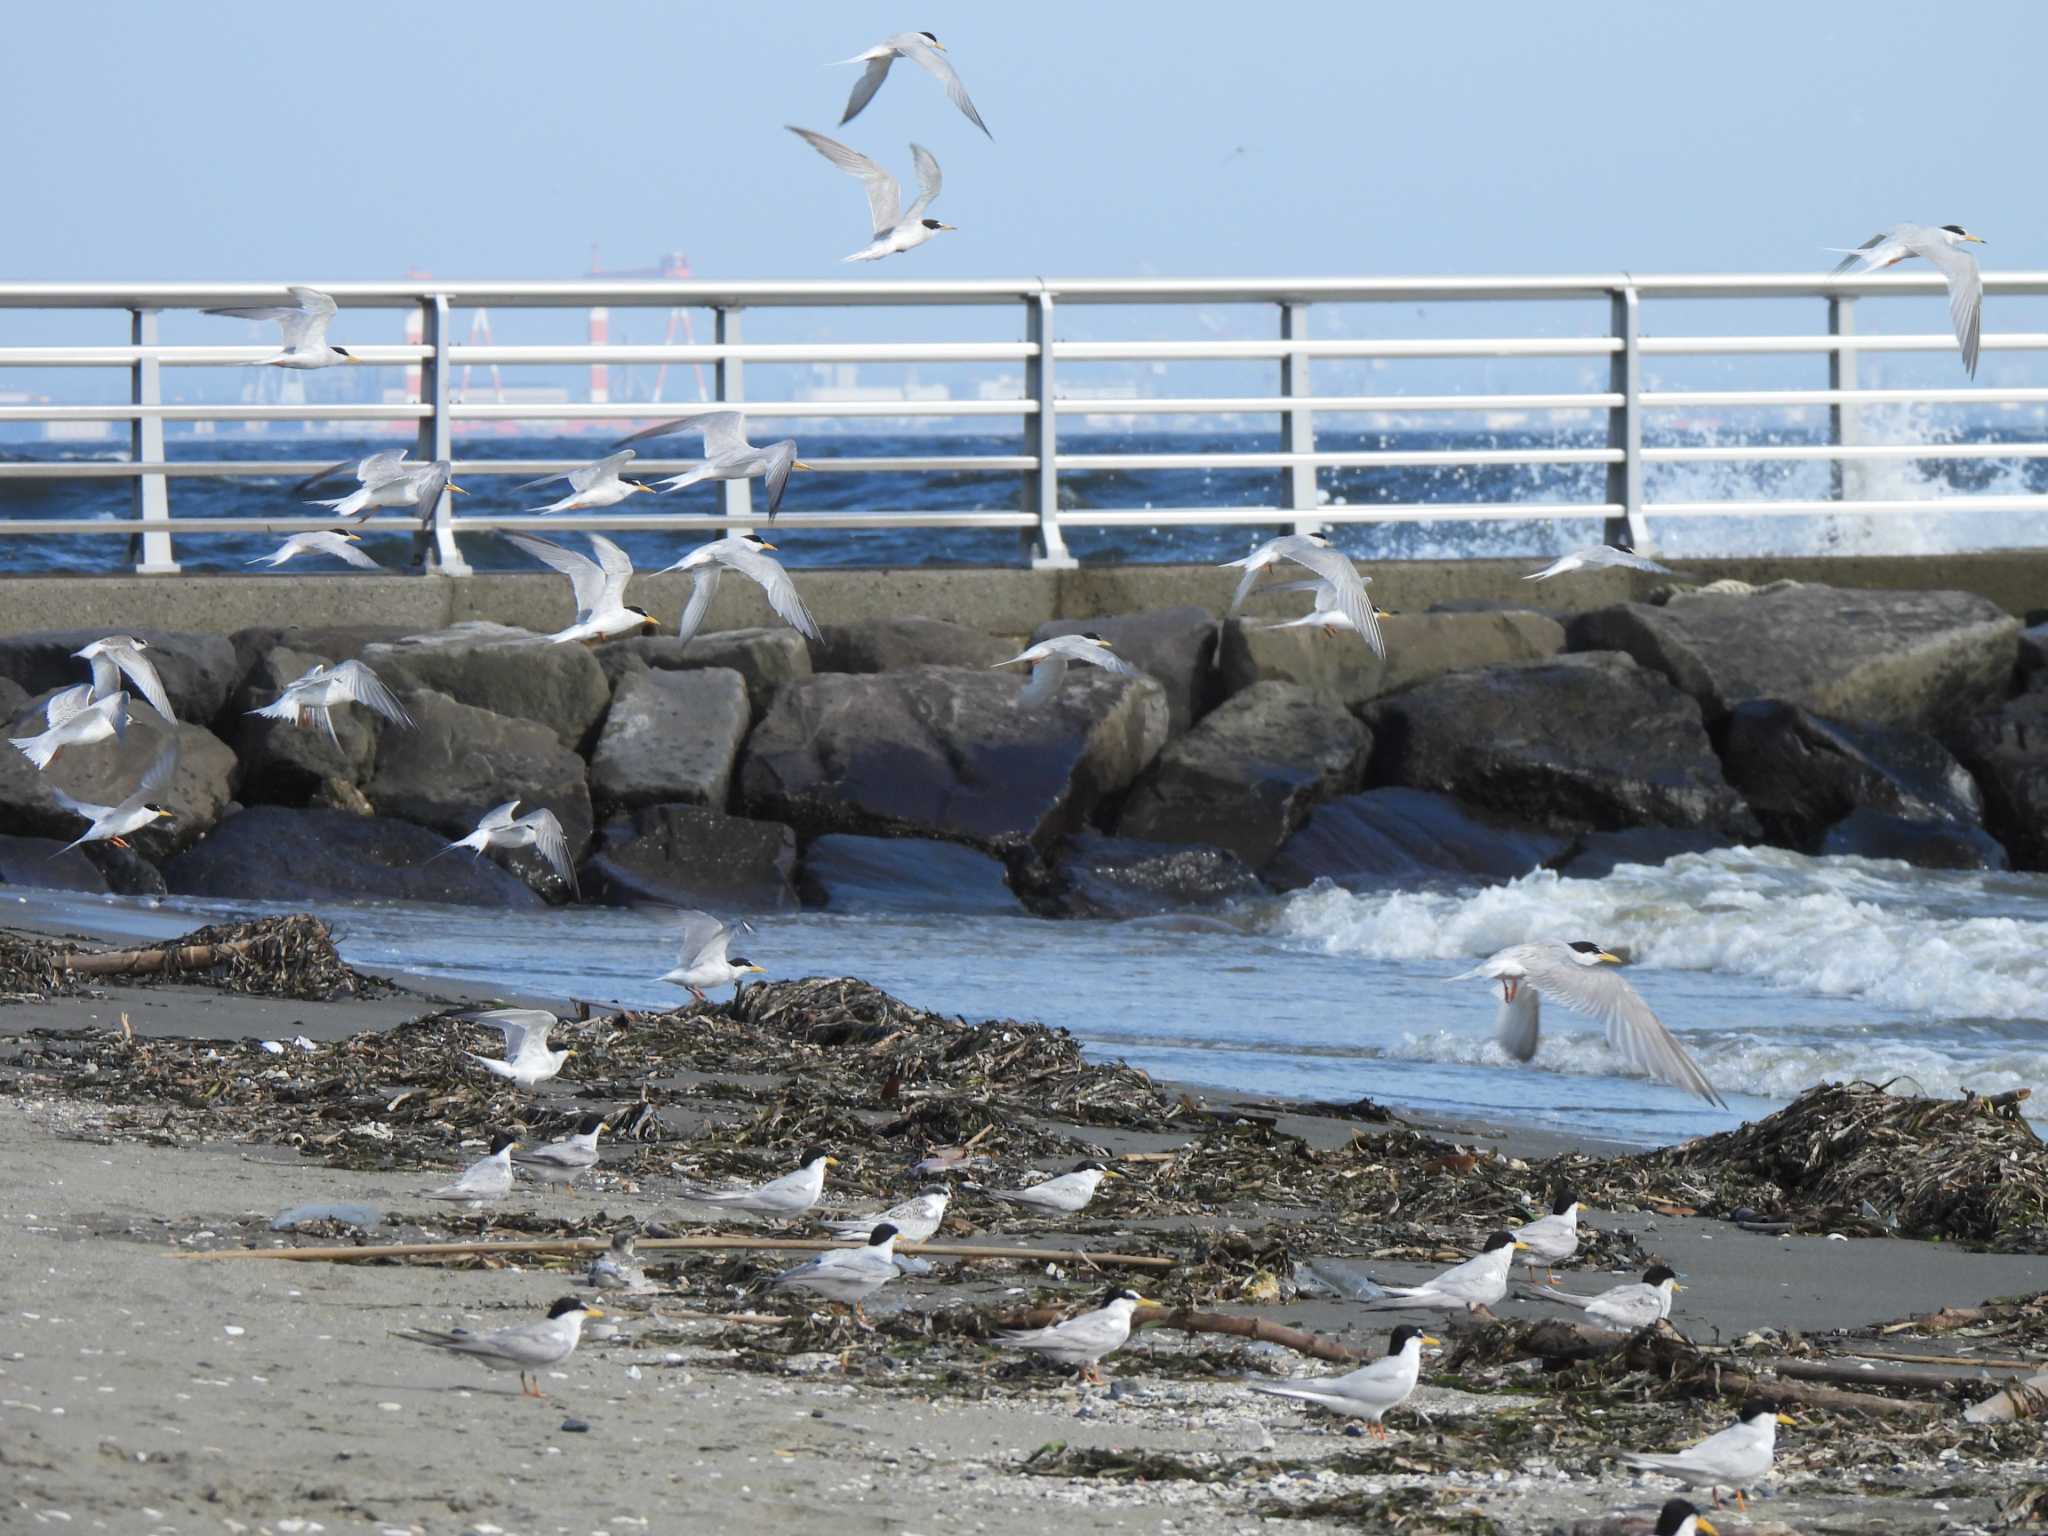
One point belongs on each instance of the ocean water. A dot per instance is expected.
(197, 496)
(1777, 970)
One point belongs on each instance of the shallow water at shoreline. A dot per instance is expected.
(1776, 970)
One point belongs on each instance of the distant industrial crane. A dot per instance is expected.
(673, 265)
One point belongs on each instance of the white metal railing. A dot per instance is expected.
(1039, 409)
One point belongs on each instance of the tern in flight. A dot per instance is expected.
(1943, 246)
(895, 228)
(920, 48)
(304, 323)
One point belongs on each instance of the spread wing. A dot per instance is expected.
(360, 685)
(722, 430)
(927, 182)
(1965, 297)
(918, 49)
(305, 323)
(139, 672)
(780, 458)
(864, 88)
(1349, 587)
(498, 817)
(885, 197)
(703, 940)
(379, 467)
(1855, 257)
(604, 469)
(517, 1025)
(551, 842)
(782, 593)
(586, 576)
(617, 566)
(704, 587)
(1632, 1029)
(334, 544)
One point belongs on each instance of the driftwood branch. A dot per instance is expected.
(147, 962)
(541, 1245)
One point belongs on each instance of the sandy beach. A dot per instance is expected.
(144, 1392)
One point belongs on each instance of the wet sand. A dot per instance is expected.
(143, 1393)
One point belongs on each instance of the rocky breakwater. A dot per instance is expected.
(891, 762)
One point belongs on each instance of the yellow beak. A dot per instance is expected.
(831, 1162)
(800, 464)
(1976, 239)
(1607, 959)
(635, 485)
(353, 538)
(1433, 1343)
(1676, 1286)
(766, 545)
(1522, 1247)
(1111, 1173)
(1702, 1523)
(758, 970)
(593, 1311)
(1784, 1418)
(458, 490)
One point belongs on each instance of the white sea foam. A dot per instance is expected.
(1941, 946)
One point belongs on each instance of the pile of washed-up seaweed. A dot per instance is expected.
(289, 957)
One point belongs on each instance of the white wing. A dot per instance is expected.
(617, 566)
(519, 1026)
(916, 48)
(379, 467)
(1632, 1029)
(927, 183)
(1965, 296)
(703, 589)
(604, 469)
(551, 841)
(343, 549)
(306, 324)
(703, 940)
(779, 458)
(358, 684)
(885, 197)
(498, 817)
(722, 430)
(1046, 677)
(586, 576)
(67, 704)
(139, 672)
(782, 593)
(864, 88)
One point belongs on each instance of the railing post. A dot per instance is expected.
(1844, 429)
(151, 550)
(434, 548)
(1298, 426)
(1625, 427)
(1045, 547)
(730, 379)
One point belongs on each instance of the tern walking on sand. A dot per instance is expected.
(599, 586)
(528, 1061)
(303, 324)
(1636, 1304)
(915, 1219)
(1368, 1392)
(920, 48)
(336, 542)
(119, 656)
(591, 485)
(537, 829)
(528, 1348)
(1067, 1195)
(1941, 245)
(113, 823)
(321, 689)
(748, 554)
(894, 228)
(1552, 1240)
(701, 960)
(565, 1161)
(1738, 1457)
(485, 1181)
(779, 1199)
(849, 1275)
(80, 727)
(1597, 556)
(1473, 1286)
(1081, 1341)
(1049, 660)
(728, 455)
(1571, 973)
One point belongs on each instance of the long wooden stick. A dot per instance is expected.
(145, 962)
(346, 1254)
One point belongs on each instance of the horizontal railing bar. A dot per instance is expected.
(392, 356)
(222, 412)
(507, 355)
(1374, 512)
(1329, 405)
(1656, 399)
(124, 469)
(1188, 351)
(689, 522)
(1719, 453)
(1363, 459)
(1809, 508)
(756, 410)
(1862, 341)
(708, 293)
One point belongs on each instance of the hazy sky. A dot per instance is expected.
(323, 141)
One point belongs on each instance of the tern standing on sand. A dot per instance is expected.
(1473, 1286)
(1081, 1341)
(779, 1199)
(702, 962)
(528, 1348)
(1067, 1195)
(1368, 1392)
(485, 1181)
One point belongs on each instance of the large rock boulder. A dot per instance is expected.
(198, 671)
(1247, 775)
(2007, 750)
(1577, 743)
(287, 764)
(1124, 877)
(1920, 660)
(949, 753)
(848, 873)
(108, 772)
(1340, 667)
(1596, 855)
(41, 862)
(1419, 646)
(2033, 663)
(895, 645)
(511, 672)
(457, 762)
(1873, 834)
(671, 738)
(1801, 773)
(337, 642)
(14, 704)
(1407, 837)
(276, 853)
(765, 658)
(1176, 647)
(687, 856)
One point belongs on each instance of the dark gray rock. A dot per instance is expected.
(2006, 749)
(27, 808)
(1125, 877)
(14, 703)
(126, 872)
(1802, 773)
(337, 642)
(1404, 837)
(1420, 646)
(903, 874)
(510, 672)
(1596, 855)
(1578, 743)
(893, 645)
(457, 762)
(287, 764)
(1920, 660)
(277, 853)
(1176, 647)
(39, 862)
(946, 752)
(2033, 662)
(198, 671)
(1340, 667)
(108, 772)
(766, 658)
(1939, 844)
(687, 856)
(1248, 774)
(671, 738)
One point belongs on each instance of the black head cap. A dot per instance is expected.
(155, 809)
(1498, 1241)
(752, 538)
(589, 1123)
(641, 611)
(1089, 634)
(931, 223)
(1565, 1201)
(623, 1242)
(1091, 1166)
(1672, 1517)
(343, 352)
(1120, 1293)
(1657, 1274)
(928, 37)
(811, 1155)
(882, 1233)
(501, 1141)
(1585, 948)
(1758, 1408)
(739, 960)
(565, 1306)
(1955, 229)
(1402, 1337)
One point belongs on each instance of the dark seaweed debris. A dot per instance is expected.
(291, 957)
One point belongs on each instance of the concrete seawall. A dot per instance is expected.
(1002, 601)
